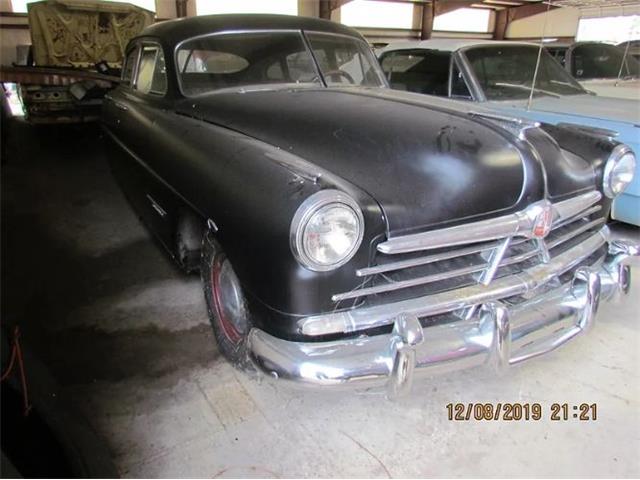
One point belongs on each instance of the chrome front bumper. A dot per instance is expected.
(497, 335)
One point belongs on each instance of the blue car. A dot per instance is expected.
(497, 77)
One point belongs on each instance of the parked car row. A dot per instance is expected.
(604, 69)
(351, 234)
(499, 75)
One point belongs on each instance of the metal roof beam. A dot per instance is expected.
(508, 15)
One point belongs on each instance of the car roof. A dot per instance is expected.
(177, 30)
(448, 44)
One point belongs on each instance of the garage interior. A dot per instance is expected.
(126, 337)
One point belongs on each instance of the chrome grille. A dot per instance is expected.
(439, 261)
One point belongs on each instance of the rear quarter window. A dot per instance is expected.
(129, 65)
(152, 75)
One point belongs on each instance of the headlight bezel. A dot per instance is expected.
(306, 211)
(617, 154)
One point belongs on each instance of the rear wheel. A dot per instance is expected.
(226, 304)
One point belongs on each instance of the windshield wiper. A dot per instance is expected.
(524, 87)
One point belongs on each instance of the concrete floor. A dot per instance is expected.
(128, 336)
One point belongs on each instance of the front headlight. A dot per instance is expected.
(619, 170)
(326, 230)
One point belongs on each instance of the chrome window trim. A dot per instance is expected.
(467, 72)
(154, 44)
(136, 62)
(372, 58)
(226, 32)
(306, 42)
(456, 61)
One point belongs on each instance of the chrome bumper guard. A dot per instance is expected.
(497, 335)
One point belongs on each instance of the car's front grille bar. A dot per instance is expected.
(486, 230)
(438, 257)
(459, 252)
(448, 274)
(589, 211)
(461, 265)
(527, 280)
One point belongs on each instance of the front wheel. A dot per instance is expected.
(226, 304)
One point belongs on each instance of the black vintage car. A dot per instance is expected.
(348, 233)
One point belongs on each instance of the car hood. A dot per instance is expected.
(424, 165)
(611, 87)
(604, 108)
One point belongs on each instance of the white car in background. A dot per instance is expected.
(496, 77)
(601, 68)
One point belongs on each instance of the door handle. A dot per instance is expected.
(118, 105)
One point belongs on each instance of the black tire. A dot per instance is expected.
(188, 240)
(230, 333)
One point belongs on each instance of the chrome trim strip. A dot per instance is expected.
(573, 206)
(517, 284)
(510, 260)
(519, 223)
(417, 262)
(485, 230)
(521, 122)
(156, 206)
(413, 282)
(577, 217)
(574, 233)
(494, 262)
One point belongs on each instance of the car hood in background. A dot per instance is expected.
(604, 108)
(629, 89)
(423, 165)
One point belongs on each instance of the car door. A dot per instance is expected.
(115, 118)
(136, 107)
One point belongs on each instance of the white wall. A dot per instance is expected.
(13, 32)
(610, 11)
(308, 8)
(561, 22)
(165, 8)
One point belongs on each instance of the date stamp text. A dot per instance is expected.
(515, 412)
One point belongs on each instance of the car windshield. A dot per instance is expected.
(274, 58)
(599, 60)
(506, 72)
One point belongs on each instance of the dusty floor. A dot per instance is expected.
(127, 335)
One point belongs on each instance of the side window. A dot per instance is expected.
(459, 88)
(152, 75)
(300, 68)
(386, 63)
(210, 61)
(420, 71)
(127, 71)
